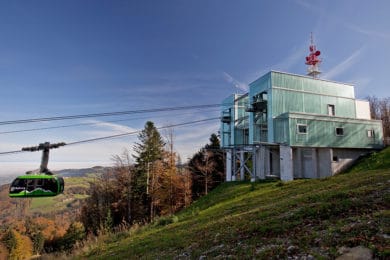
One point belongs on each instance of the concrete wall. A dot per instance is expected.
(344, 158)
(362, 109)
(324, 162)
(312, 162)
(289, 163)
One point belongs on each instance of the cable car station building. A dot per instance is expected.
(291, 126)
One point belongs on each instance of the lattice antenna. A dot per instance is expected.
(313, 61)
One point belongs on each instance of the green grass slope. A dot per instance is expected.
(271, 220)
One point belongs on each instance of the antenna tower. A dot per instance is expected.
(313, 61)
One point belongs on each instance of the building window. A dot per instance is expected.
(302, 129)
(370, 133)
(339, 131)
(331, 110)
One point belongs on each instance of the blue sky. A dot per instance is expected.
(78, 57)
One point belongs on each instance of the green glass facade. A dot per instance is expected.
(298, 111)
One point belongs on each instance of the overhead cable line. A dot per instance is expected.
(80, 124)
(11, 152)
(121, 135)
(45, 119)
(136, 132)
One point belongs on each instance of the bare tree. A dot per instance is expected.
(380, 110)
(125, 172)
(206, 166)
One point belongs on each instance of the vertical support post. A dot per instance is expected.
(234, 162)
(242, 167)
(254, 164)
(228, 165)
(262, 163)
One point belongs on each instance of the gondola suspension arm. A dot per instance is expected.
(45, 148)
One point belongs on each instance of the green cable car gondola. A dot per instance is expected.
(36, 185)
(42, 184)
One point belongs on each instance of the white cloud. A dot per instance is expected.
(370, 33)
(190, 139)
(295, 56)
(102, 128)
(237, 84)
(343, 65)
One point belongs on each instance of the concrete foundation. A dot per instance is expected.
(288, 163)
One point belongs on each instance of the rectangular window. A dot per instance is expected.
(331, 110)
(302, 129)
(339, 131)
(370, 133)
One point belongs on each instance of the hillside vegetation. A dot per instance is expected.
(301, 218)
(31, 226)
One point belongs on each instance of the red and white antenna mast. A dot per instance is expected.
(313, 61)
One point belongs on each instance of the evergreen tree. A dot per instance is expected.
(150, 148)
(74, 234)
(9, 240)
(38, 241)
(148, 151)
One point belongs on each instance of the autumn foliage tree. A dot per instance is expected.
(207, 168)
(18, 245)
(137, 193)
(111, 201)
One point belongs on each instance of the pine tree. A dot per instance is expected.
(148, 151)
(150, 148)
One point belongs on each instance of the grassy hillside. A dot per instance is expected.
(271, 220)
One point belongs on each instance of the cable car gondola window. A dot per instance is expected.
(51, 185)
(30, 185)
(18, 185)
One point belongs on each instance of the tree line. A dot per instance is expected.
(139, 188)
(156, 184)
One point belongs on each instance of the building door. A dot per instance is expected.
(308, 164)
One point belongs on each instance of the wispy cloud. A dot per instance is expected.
(190, 140)
(371, 33)
(113, 127)
(296, 55)
(344, 65)
(237, 84)
(362, 86)
(306, 4)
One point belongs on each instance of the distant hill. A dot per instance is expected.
(82, 172)
(66, 205)
(5, 179)
(300, 219)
